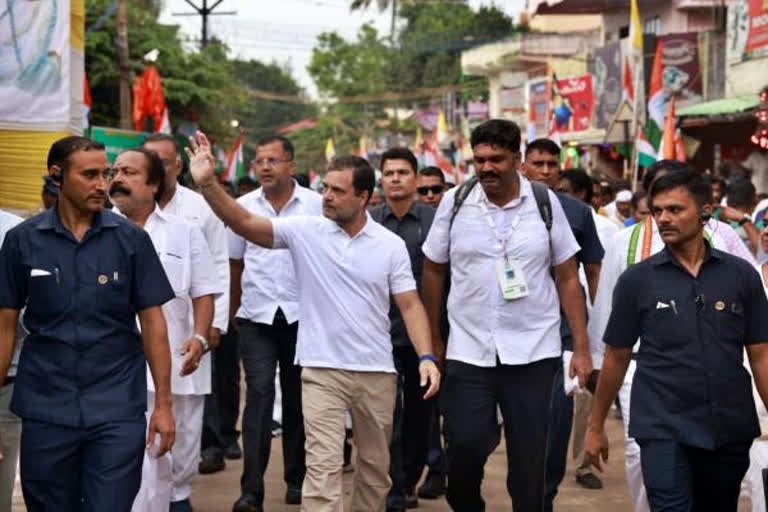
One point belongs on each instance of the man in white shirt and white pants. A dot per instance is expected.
(266, 305)
(134, 188)
(347, 266)
(504, 345)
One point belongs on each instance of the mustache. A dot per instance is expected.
(487, 174)
(119, 189)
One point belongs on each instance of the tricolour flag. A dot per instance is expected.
(87, 101)
(656, 101)
(235, 168)
(646, 154)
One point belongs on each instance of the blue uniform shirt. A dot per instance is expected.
(83, 363)
(690, 385)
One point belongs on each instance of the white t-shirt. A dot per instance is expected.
(483, 324)
(344, 291)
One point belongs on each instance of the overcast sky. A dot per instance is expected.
(286, 30)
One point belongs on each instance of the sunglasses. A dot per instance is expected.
(435, 189)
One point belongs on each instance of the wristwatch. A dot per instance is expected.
(203, 342)
(746, 218)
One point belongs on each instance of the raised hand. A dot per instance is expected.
(202, 165)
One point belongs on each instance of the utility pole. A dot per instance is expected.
(204, 11)
(124, 63)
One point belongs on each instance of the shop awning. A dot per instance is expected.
(723, 106)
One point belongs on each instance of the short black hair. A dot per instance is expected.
(542, 145)
(687, 178)
(155, 169)
(400, 154)
(284, 141)
(741, 193)
(580, 181)
(431, 170)
(163, 137)
(363, 176)
(302, 179)
(497, 132)
(662, 165)
(62, 149)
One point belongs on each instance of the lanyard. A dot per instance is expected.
(492, 225)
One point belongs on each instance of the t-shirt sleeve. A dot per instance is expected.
(437, 245)
(204, 280)
(13, 275)
(150, 286)
(592, 251)
(563, 243)
(236, 245)
(623, 328)
(755, 310)
(286, 231)
(401, 276)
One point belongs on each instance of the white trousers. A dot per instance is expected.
(631, 448)
(169, 478)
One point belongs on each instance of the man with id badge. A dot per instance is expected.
(84, 274)
(511, 255)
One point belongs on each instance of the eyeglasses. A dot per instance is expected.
(435, 189)
(269, 162)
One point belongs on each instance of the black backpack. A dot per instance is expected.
(540, 193)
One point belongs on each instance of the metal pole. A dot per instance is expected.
(124, 65)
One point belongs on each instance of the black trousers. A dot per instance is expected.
(469, 399)
(262, 347)
(680, 478)
(411, 427)
(222, 406)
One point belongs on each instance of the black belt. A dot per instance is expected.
(8, 381)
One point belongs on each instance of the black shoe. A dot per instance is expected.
(411, 500)
(293, 496)
(432, 488)
(180, 506)
(589, 481)
(247, 503)
(211, 464)
(233, 451)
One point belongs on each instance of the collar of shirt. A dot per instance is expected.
(478, 196)
(258, 194)
(50, 220)
(665, 257)
(368, 228)
(414, 211)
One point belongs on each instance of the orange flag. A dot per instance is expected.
(148, 99)
(668, 145)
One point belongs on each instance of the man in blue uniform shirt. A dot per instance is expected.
(83, 274)
(695, 310)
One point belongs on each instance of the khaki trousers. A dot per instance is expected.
(370, 398)
(582, 406)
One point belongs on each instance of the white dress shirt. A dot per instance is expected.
(269, 279)
(182, 248)
(483, 324)
(615, 262)
(344, 291)
(8, 221)
(190, 206)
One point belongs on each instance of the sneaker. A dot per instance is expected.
(433, 487)
(211, 464)
(589, 481)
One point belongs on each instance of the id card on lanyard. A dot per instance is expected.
(509, 270)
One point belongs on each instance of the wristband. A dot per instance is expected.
(427, 357)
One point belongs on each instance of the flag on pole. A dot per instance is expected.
(330, 150)
(635, 30)
(87, 101)
(627, 89)
(442, 126)
(434, 156)
(235, 168)
(667, 147)
(656, 101)
(149, 101)
(646, 154)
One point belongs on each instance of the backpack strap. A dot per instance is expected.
(541, 194)
(461, 195)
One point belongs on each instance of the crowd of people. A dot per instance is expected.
(526, 301)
